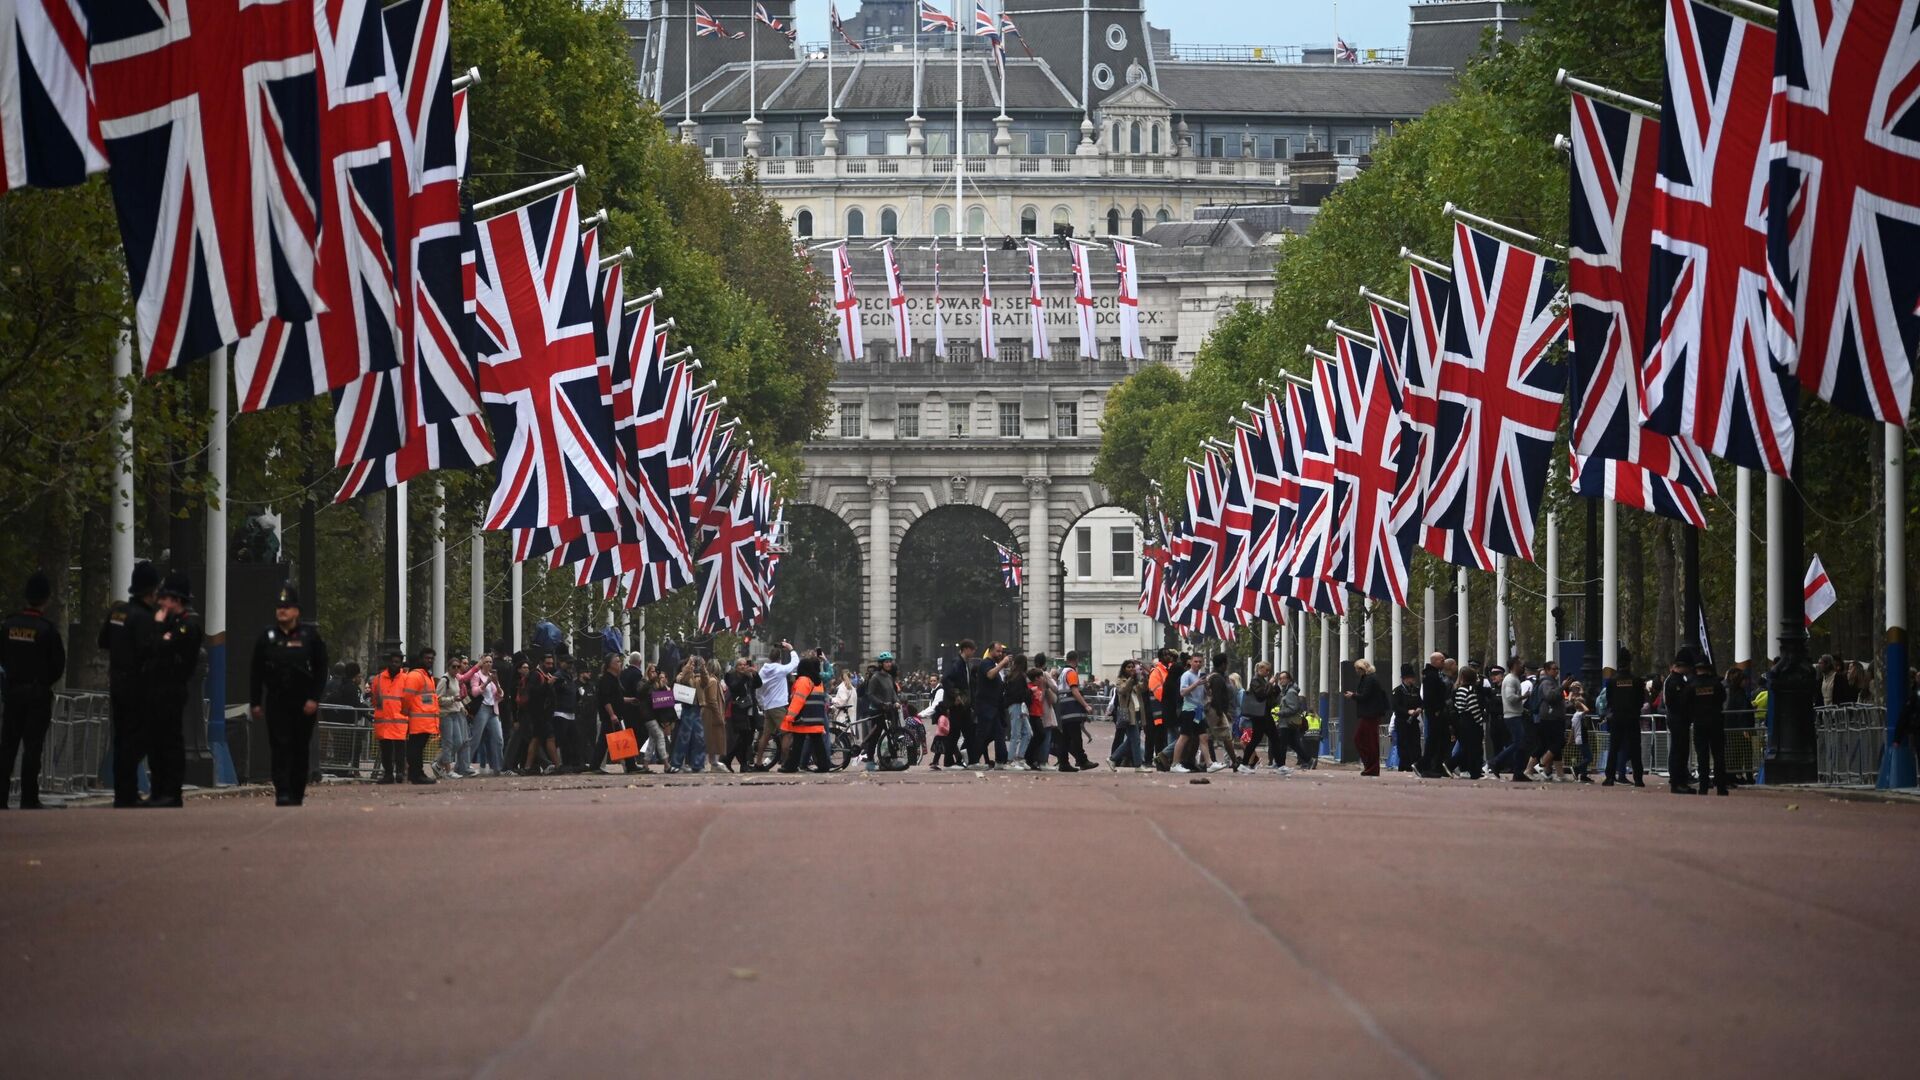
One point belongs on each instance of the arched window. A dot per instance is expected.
(1113, 222)
(889, 222)
(942, 221)
(1061, 216)
(1114, 143)
(1156, 138)
(1139, 223)
(1162, 217)
(1133, 138)
(977, 220)
(803, 223)
(1029, 221)
(856, 222)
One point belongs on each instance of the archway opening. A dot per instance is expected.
(820, 602)
(949, 586)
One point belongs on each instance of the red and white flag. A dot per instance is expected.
(1083, 300)
(1036, 315)
(846, 304)
(989, 347)
(49, 133)
(939, 307)
(897, 305)
(1818, 591)
(1127, 299)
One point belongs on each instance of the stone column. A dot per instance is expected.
(1038, 585)
(880, 566)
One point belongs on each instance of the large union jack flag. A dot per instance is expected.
(538, 373)
(356, 265)
(932, 18)
(49, 134)
(1707, 373)
(1844, 223)
(662, 538)
(210, 113)
(1257, 458)
(1392, 330)
(1611, 232)
(1500, 394)
(1206, 537)
(1153, 569)
(1371, 457)
(1310, 441)
(1236, 524)
(1430, 310)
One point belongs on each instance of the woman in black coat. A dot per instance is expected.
(1371, 704)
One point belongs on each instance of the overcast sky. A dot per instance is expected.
(1221, 22)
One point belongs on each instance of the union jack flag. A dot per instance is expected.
(1392, 329)
(1611, 233)
(1193, 607)
(460, 443)
(662, 538)
(1127, 300)
(705, 25)
(1274, 495)
(681, 432)
(833, 19)
(1010, 567)
(989, 346)
(538, 373)
(897, 305)
(1708, 374)
(727, 567)
(932, 18)
(1500, 394)
(1431, 303)
(1083, 301)
(1373, 457)
(1036, 316)
(760, 14)
(1236, 524)
(846, 304)
(49, 133)
(1344, 53)
(1153, 567)
(1844, 224)
(985, 25)
(1310, 437)
(210, 115)
(358, 330)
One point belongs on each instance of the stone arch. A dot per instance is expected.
(856, 222)
(803, 224)
(948, 584)
(942, 221)
(824, 554)
(1113, 221)
(1029, 220)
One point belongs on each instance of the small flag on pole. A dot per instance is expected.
(1818, 591)
(932, 18)
(1009, 566)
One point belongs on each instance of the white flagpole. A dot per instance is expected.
(1429, 622)
(1398, 632)
(400, 557)
(1776, 600)
(686, 67)
(516, 584)
(1552, 633)
(831, 31)
(916, 59)
(1500, 604)
(1743, 566)
(437, 603)
(477, 602)
(120, 540)
(1610, 585)
(959, 120)
(1462, 627)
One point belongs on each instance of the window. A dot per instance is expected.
(850, 420)
(856, 222)
(1283, 147)
(976, 221)
(1343, 147)
(816, 145)
(1216, 146)
(1113, 140)
(1009, 419)
(857, 144)
(1161, 351)
(803, 223)
(1083, 638)
(979, 143)
(1062, 218)
(1014, 350)
(939, 144)
(889, 222)
(1066, 419)
(717, 146)
(1029, 221)
(1123, 553)
(1113, 222)
(908, 426)
(1139, 223)
(1133, 138)
(1056, 143)
(959, 417)
(1083, 551)
(1110, 350)
(783, 146)
(1162, 216)
(942, 221)
(1022, 143)
(1156, 138)
(897, 143)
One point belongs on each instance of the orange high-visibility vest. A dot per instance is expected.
(389, 695)
(423, 703)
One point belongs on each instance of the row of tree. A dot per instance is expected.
(557, 89)
(1490, 150)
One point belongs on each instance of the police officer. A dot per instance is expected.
(34, 658)
(125, 691)
(1677, 694)
(1626, 698)
(1706, 707)
(288, 678)
(169, 645)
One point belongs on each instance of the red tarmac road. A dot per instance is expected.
(940, 925)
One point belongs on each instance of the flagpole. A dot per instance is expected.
(1610, 587)
(1429, 620)
(477, 597)
(1776, 600)
(120, 539)
(1461, 630)
(1500, 601)
(1552, 625)
(916, 59)
(1743, 568)
(830, 33)
(515, 584)
(959, 122)
(214, 617)
(686, 71)
(1897, 764)
(437, 603)
(1398, 638)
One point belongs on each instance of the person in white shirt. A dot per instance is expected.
(774, 697)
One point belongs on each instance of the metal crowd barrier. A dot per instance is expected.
(345, 734)
(77, 744)
(1849, 741)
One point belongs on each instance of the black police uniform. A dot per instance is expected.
(1626, 698)
(1706, 707)
(1677, 694)
(34, 658)
(289, 669)
(125, 694)
(1436, 708)
(169, 655)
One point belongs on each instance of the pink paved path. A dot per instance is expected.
(947, 925)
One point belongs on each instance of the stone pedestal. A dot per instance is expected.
(750, 145)
(689, 132)
(1088, 147)
(830, 136)
(916, 135)
(1003, 135)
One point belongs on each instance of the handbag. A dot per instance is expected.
(622, 744)
(662, 699)
(684, 693)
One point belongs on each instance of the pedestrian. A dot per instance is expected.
(389, 699)
(288, 678)
(34, 658)
(1405, 703)
(743, 697)
(423, 714)
(989, 709)
(534, 703)
(1015, 721)
(774, 698)
(1160, 719)
(455, 758)
(1071, 710)
(1626, 698)
(883, 707)
(1129, 711)
(1677, 694)
(119, 640)
(1370, 706)
(170, 654)
(483, 707)
(805, 727)
(1579, 716)
(1469, 721)
(960, 681)
(1550, 721)
(1512, 758)
(1289, 722)
(1192, 726)
(1706, 706)
(1040, 710)
(1435, 703)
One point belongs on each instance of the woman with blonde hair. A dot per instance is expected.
(1370, 703)
(690, 736)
